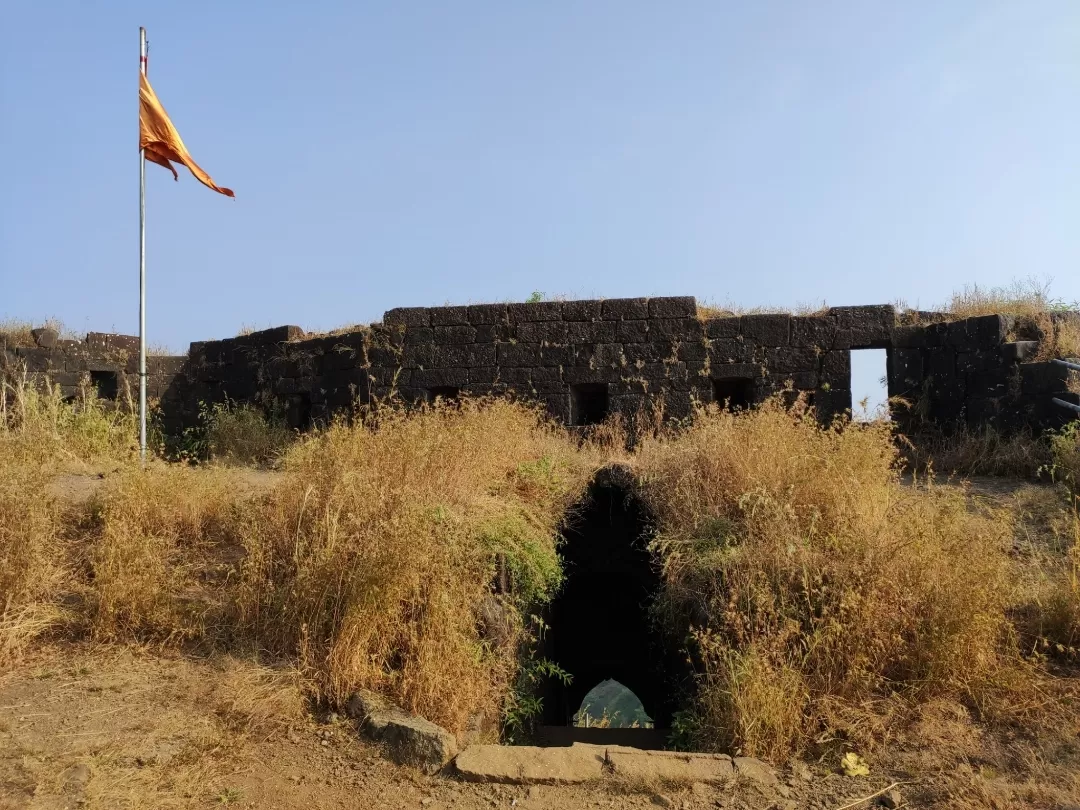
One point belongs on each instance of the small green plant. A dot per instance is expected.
(230, 796)
(535, 298)
(523, 703)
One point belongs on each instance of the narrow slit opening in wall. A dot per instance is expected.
(869, 385)
(105, 384)
(298, 411)
(588, 403)
(733, 393)
(447, 393)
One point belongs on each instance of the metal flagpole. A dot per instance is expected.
(142, 274)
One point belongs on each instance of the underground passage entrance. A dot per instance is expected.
(599, 626)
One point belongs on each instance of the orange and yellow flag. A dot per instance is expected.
(160, 141)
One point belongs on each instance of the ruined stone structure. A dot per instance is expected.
(586, 359)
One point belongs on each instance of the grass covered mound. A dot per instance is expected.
(817, 588)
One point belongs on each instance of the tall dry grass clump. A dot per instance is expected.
(815, 584)
(31, 553)
(1035, 310)
(373, 559)
(157, 545)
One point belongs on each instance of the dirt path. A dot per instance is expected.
(122, 727)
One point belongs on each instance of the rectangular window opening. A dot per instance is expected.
(447, 393)
(733, 393)
(588, 403)
(105, 383)
(869, 385)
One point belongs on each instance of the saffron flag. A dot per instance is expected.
(160, 141)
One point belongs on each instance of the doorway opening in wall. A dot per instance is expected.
(447, 393)
(869, 385)
(105, 384)
(588, 404)
(625, 674)
(733, 393)
(298, 411)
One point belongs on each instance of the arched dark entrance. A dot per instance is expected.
(600, 625)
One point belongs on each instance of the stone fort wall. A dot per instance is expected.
(586, 359)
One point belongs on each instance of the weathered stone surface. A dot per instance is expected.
(407, 316)
(767, 330)
(756, 771)
(581, 310)
(618, 309)
(1020, 351)
(540, 311)
(529, 765)
(409, 740)
(813, 331)
(680, 307)
(45, 337)
(670, 766)
(449, 316)
(865, 327)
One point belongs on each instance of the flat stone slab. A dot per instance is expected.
(670, 766)
(531, 765)
(409, 740)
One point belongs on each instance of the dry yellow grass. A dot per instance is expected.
(370, 561)
(815, 583)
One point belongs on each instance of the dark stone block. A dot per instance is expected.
(673, 307)
(767, 330)
(870, 326)
(730, 350)
(98, 341)
(449, 316)
(905, 371)
(960, 337)
(989, 330)
(979, 411)
(1043, 378)
(418, 356)
(730, 371)
(624, 309)
(941, 364)
(483, 376)
(675, 330)
(477, 354)
(630, 331)
(692, 351)
(165, 365)
(1020, 351)
(678, 405)
(787, 359)
(607, 354)
(494, 332)
(909, 337)
(454, 334)
(542, 332)
(723, 328)
(124, 343)
(573, 375)
(517, 354)
(407, 316)
(35, 359)
(487, 314)
(831, 403)
(70, 379)
(581, 310)
(556, 356)
(836, 369)
(805, 380)
(440, 377)
(380, 356)
(45, 337)
(419, 335)
(641, 352)
(548, 376)
(590, 331)
(541, 311)
(814, 331)
(277, 334)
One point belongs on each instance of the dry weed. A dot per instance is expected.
(373, 557)
(814, 581)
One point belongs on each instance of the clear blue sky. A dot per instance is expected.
(388, 154)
